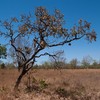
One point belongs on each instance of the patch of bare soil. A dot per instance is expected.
(49, 84)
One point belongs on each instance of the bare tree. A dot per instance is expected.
(59, 61)
(74, 63)
(86, 61)
(44, 31)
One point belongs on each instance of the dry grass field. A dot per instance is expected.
(49, 84)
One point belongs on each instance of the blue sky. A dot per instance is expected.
(73, 10)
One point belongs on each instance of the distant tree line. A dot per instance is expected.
(87, 62)
(7, 66)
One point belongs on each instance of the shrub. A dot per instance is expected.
(2, 66)
(43, 84)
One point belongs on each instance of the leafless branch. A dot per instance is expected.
(66, 41)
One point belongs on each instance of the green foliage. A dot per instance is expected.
(87, 62)
(34, 80)
(36, 86)
(46, 65)
(2, 66)
(94, 63)
(35, 66)
(3, 51)
(43, 84)
(10, 65)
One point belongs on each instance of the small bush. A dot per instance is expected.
(35, 85)
(43, 84)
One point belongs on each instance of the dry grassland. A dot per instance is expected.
(66, 84)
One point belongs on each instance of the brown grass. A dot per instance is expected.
(66, 84)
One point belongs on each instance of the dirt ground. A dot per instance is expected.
(50, 84)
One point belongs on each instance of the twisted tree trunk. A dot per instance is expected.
(19, 79)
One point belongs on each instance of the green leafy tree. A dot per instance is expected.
(44, 31)
(3, 51)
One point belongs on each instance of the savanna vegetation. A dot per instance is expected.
(29, 38)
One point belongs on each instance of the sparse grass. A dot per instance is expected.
(2, 89)
(35, 85)
(80, 84)
(62, 92)
(73, 92)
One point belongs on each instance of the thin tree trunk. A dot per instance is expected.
(19, 80)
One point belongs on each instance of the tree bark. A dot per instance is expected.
(19, 80)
